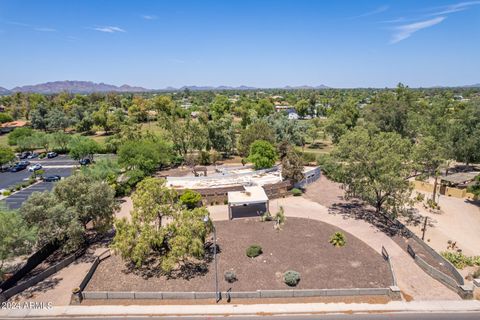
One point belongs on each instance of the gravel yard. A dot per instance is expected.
(303, 245)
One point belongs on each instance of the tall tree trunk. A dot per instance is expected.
(435, 188)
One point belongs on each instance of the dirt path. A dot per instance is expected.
(57, 288)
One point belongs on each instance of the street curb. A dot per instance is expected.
(243, 310)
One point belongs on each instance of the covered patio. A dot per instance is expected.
(249, 203)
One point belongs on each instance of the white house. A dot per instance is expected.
(293, 115)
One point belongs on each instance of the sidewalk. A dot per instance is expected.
(253, 309)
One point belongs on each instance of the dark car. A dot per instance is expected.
(18, 167)
(24, 155)
(24, 162)
(52, 178)
(85, 161)
(51, 155)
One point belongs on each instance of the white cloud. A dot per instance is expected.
(149, 17)
(405, 31)
(109, 29)
(457, 7)
(373, 12)
(42, 29)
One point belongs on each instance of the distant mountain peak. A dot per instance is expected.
(74, 86)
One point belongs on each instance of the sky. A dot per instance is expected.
(262, 43)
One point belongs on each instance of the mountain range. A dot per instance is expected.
(90, 87)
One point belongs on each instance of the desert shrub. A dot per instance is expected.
(338, 239)
(230, 276)
(204, 158)
(419, 197)
(280, 217)
(476, 274)
(25, 184)
(296, 192)
(267, 216)
(42, 155)
(6, 193)
(291, 278)
(459, 260)
(254, 251)
(432, 204)
(190, 199)
(18, 187)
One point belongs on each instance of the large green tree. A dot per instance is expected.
(147, 235)
(259, 130)
(6, 155)
(64, 213)
(262, 154)
(375, 167)
(16, 237)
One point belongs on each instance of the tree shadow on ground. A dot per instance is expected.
(318, 145)
(186, 270)
(359, 211)
(42, 286)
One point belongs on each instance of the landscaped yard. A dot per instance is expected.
(302, 245)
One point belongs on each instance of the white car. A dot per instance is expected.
(35, 167)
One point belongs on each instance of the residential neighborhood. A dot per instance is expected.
(359, 200)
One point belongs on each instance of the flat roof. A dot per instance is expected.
(250, 195)
(460, 177)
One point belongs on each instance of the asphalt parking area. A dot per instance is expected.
(15, 200)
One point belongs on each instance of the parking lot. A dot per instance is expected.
(61, 165)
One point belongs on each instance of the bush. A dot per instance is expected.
(296, 192)
(204, 158)
(459, 260)
(230, 276)
(254, 251)
(476, 274)
(266, 216)
(291, 278)
(309, 157)
(6, 193)
(338, 239)
(190, 199)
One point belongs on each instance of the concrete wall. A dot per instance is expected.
(7, 294)
(392, 292)
(422, 186)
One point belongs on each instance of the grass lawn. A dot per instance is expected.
(4, 140)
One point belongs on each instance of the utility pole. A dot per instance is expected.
(424, 228)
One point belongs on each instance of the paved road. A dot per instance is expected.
(389, 316)
(60, 165)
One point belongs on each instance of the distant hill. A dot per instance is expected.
(90, 87)
(306, 87)
(76, 87)
(477, 85)
(4, 91)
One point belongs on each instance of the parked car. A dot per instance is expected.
(32, 155)
(18, 167)
(35, 167)
(53, 178)
(85, 161)
(24, 155)
(51, 155)
(24, 162)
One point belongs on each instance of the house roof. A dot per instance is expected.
(14, 124)
(250, 195)
(460, 177)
